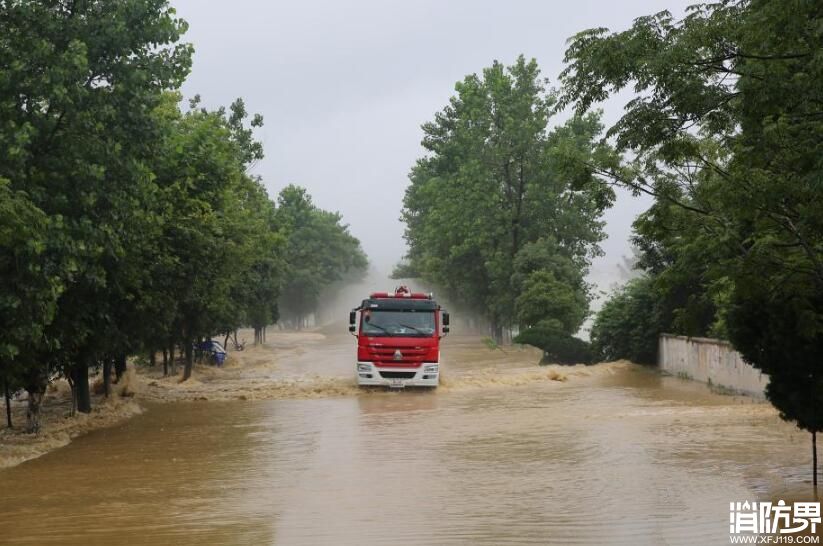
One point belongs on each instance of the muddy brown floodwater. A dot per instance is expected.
(504, 453)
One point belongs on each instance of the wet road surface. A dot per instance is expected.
(505, 453)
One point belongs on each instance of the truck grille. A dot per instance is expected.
(397, 375)
(411, 356)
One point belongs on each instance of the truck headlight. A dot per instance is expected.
(432, 368)
(363, 368)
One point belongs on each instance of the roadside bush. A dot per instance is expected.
(558, 348)
(628, 326)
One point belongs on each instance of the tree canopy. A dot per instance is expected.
(127, 223)
(320, 252)
(628, 325)
(726, 133)
(504, 208)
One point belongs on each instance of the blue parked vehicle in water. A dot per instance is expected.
(213, 350)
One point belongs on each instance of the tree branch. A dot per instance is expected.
(648, 191)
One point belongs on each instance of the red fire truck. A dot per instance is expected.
(398, 339)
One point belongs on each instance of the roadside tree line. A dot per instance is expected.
(128, 224)
(503, 213)
(726, 133)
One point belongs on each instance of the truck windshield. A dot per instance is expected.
(398, 323)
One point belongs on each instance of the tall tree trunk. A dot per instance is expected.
(153, 358)
(7, 396)
(36, 383)
(814, 458)
(81, 385)
(226, 340)
(165, 362)
(189, 360)
(264, 334)
(120, 366)
(496, 330)
(172, 361)
(33, 411)
(70, 380)
(107, 376)
(518, 208)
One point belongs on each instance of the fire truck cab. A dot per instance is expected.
(398, 339)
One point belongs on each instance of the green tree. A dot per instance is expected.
(687, 260)
(215, 225)
(558, 348)
(79, 83)
(495, 179)
(258, 290)
(126, 224)
(727, 126)
(29, 292)
(320, 251)
(628, 325)
(544, 300)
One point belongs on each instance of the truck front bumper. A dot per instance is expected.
(369, 375)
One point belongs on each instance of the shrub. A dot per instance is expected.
(558, 348)
(628, 325)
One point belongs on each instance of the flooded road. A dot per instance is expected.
(505, 453)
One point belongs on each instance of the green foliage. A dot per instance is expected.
(218, 227)
(126, 224)
(320, 251)
(726, 131)
(495, 180)
(628, 325)
(404, 270)
(544, 298)
(79, 83)
(781, 332)
(490, 343)
(29, 294)
(558, 347)
(30, 290)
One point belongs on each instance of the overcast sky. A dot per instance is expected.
(344, 87)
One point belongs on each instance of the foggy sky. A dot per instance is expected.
(344, 87)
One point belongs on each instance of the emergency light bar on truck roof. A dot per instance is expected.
(402, 292)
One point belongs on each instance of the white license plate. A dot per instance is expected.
(396, 384)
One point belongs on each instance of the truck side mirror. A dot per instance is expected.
(445, 322)
(352, 320)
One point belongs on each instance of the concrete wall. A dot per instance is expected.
(710, 361)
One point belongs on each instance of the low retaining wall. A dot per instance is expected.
(710, 361)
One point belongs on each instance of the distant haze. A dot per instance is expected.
(344, 87)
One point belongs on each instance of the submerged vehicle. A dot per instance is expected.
(211, 349)
(398, 339)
